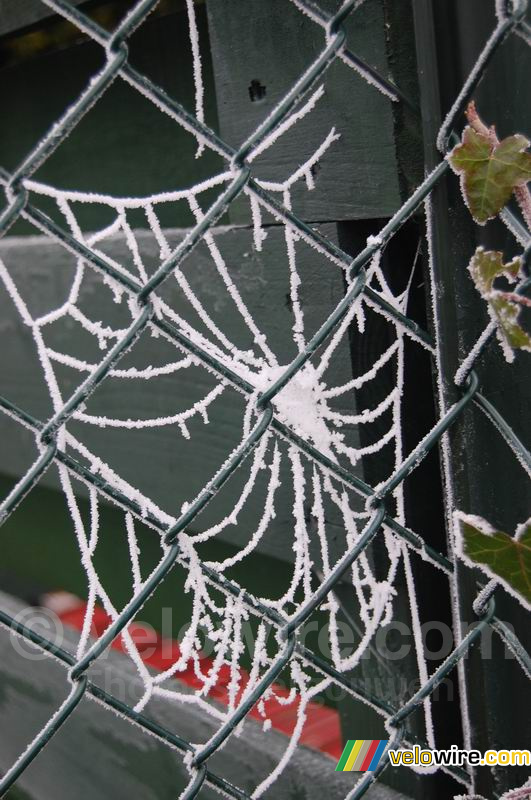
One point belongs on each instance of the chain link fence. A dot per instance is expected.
(48, 433)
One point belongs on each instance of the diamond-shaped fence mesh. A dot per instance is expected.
(267, 397)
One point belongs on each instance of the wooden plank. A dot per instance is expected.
(124, 145)
(488, 480)
(16, 15)
(269, 45)
(159, 461)
(98, 753)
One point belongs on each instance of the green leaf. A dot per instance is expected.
(507, 314)
(485, 266)
(507, 558)
(490, 172)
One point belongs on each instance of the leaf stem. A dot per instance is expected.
(516, 298)
(475, 122)
(523, 198)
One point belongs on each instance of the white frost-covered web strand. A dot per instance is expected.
(288, 123)
(199, 307)
(94, 583)
(339, 333)
(319, 514)
(99, 467)
(195, 337)
(219, 261)
(304, 169)
(376, 610)
(225, 619)
(357, 383)
(295, 282)
(96, 328)
(48, 373)
(117, 203)
(447, 475)
(87, 546)
(368, 415)
(198, 408)
(259, 235)
(301, 572)
(410, 581)
(232, 518)
(355, 453)
(134, 552)
(198, 75)
(267, 516)
(410, 332)
(132, 245)
(131, 372)
(306, 695)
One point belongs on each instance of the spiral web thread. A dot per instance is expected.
(275, 399)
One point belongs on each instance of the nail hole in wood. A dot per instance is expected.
(256, 91)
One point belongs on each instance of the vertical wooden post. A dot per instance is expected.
(486, 478)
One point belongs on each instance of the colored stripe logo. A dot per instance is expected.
(361, 755)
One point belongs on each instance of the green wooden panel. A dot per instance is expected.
(40, 553)
(160, 462)
(112, 758)
(124, 145)
(273, 43)
(16, 15)
(487, 478)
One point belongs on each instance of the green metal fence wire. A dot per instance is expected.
(46, 433)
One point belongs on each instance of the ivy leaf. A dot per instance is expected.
(506, 558)
(487, 265)
(490, 172)
(505, 307)
(507, 314)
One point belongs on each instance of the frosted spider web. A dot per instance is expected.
(312, 405)
(305, 404)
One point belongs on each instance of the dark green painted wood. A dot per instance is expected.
(273, 43)
(40, 554)
(397, 679)
(160, 462)
(15, 15)
(126, 762)
(124, 145)
(487, 478)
